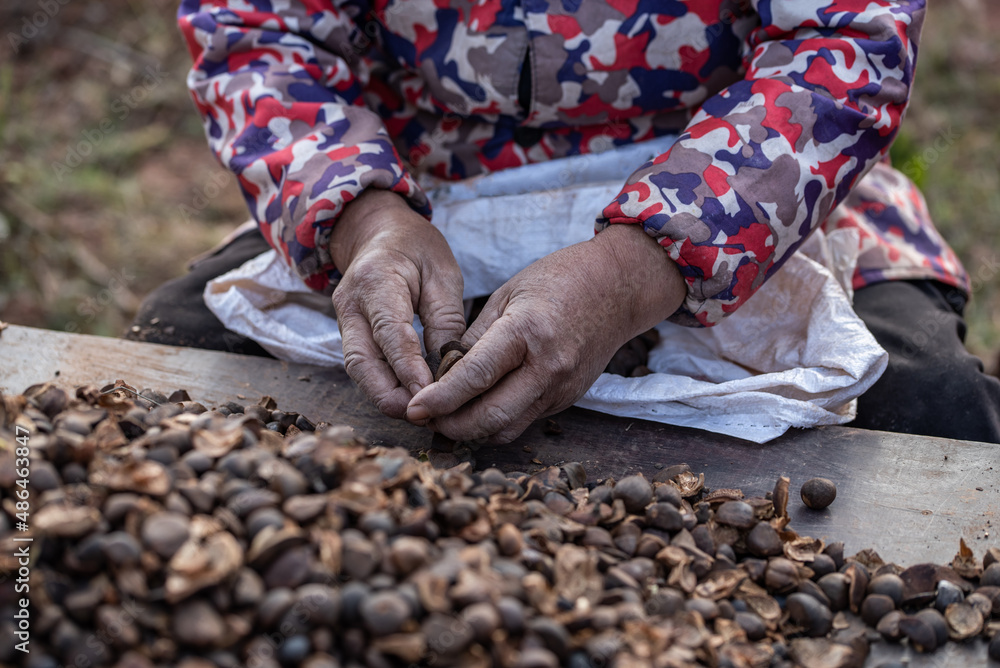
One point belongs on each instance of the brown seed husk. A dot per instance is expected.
(964, 621)
(965, 563)
(227, 532)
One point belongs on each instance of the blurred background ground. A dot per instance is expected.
(107, 187)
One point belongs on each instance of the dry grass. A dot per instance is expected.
(955, 99)
(81, 245)
(101, 160)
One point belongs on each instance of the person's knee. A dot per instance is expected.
(170, 312)
(175, 314)
(933, 395)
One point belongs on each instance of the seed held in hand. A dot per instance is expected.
(447, 361)
(818, 493)
(441, 361)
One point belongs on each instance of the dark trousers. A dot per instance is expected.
(932, 386)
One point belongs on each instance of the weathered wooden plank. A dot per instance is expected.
(29, 356)
(909, 497)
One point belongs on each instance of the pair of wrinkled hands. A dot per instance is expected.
(538, 345)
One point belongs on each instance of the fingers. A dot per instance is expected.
(397, 264)
(440, 307)
(365, 363)
(390, 316)
(381, 349)
(501, 414)
(497, 353)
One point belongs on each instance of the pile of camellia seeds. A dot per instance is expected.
(166, 534)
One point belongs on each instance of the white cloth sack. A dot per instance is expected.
(795, 355)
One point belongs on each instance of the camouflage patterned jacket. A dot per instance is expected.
(787, 110)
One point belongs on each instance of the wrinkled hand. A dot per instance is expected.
(548, 333)
(394, 264)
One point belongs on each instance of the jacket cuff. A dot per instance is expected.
(717, 275)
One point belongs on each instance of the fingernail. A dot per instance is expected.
(414, 388)
(417, 413)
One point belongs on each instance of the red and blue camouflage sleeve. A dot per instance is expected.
(764, 162)
(279, 86)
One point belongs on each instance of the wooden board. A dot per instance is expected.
(909, 497)
(29, 356)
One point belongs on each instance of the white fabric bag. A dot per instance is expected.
(795, 355)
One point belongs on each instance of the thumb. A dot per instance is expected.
(441, 310)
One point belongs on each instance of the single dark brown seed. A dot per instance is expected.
(509, 540)
(822, 565)
(763, 541)
(667, 493)
(835, 551)
(875, 607)
(812, 589)
(751, 624)
(409, 553)
(259, 413)
(888, 626)
(887, 584)
(818, 493)
(837, 588)
(121, 549)
(782, 575)
(920, 634)
(664, 516)
(991, 576)
(708, 609)
(483, 618)
(810, 614)
(936, 621)
(511, 613)
(384, 613)
(634, 491)
(323, 602)
(165, 533)
(553, 635)
(197, 623)
(738, 514)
